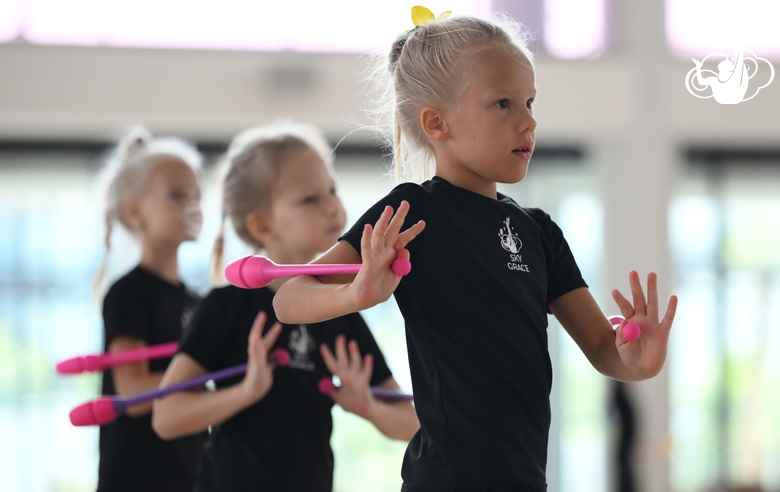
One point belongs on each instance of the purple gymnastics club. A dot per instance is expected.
(631, 331)
(107, 408)
(89, 363)
(253, 272)
(326, 387)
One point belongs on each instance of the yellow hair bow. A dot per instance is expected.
(422, 16)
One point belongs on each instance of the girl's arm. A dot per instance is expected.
(331, 297)
(130, 379)
(606, 349)
(396, 420)
(190, 412)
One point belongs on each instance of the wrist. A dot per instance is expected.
(369, 412)
(248, 394)
(351, 304)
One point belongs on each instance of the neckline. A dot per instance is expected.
(500, 197)
(178, 286)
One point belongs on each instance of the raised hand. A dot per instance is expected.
(379, 246)
(647, 354)
(259, 373)
(354, 395)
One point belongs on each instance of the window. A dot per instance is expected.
(700, 27)
(567, 28)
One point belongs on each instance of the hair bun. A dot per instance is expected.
(135, 140)
(397, 49)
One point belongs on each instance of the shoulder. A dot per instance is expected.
(130, 288)
(228, 298)
(411, 192)
(538, 215)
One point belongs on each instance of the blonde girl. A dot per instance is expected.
(485, 271)
(153, 192)
(271, 429)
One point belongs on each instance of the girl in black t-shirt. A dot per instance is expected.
(271, 429)
(153, 191)
(485, 271)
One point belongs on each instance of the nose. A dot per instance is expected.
(527, 123)
(334, 205)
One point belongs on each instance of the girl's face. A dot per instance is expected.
(491, 130)
(169, 212)
(306, 216)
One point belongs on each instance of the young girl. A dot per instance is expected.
(154, 192)
(271, 430)
(485, 271)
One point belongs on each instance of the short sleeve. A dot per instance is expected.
(368, 345)
(563, 274)
(205, 337)
(126, 311)
(410, 192)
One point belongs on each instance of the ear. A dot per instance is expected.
(433, 124)
(131, 213)
(259, 227)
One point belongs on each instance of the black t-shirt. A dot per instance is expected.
(142, 305)
(475, 306)
(281, 443)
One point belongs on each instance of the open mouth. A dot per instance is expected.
(524, 151)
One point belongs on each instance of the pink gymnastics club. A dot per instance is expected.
(107, 408)
(253, 272)
(631, 331)
(90, 363)
(326, 387)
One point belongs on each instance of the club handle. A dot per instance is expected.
(280, 357)
(91, 363)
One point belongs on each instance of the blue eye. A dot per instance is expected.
(503, 104)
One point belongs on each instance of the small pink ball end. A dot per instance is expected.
(97, 412)
(71, 366)
(631, 332)
(282, 357)
(233, 273)
(326, 386)
(401, 267)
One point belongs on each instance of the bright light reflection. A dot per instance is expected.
(574, 28)
(349, 26)
(700, 27)
(9, 20)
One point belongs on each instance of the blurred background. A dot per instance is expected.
(638, 172)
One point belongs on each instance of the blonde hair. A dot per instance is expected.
(126, 175)
(250, 172)
(429, 66)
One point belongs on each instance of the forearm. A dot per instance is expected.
(138, 384)
(397, 420)
(305, 299)
(190, 412)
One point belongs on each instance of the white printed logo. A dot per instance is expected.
(301, 345)
(511, 242)
(730, 84)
